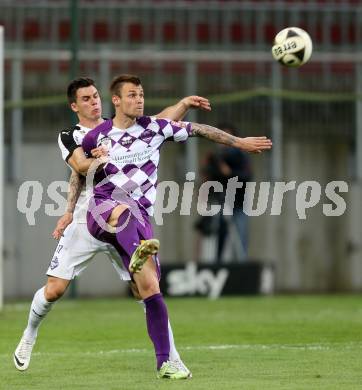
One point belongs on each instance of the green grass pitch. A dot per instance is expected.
(282, 342)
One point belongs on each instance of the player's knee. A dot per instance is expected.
(116, 213)
(53, 294)
(54, 291)
(148, 288)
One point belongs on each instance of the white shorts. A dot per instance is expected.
(75, 251)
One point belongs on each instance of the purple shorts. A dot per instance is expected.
(98, 214)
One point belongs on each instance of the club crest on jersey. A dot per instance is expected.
(126, 141)
(54, 263)
(147, 135)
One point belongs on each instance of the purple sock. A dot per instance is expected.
(157, 326)
(128, 236)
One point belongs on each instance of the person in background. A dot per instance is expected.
(223, 164)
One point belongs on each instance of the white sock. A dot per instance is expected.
(38, 310)
(174, 355)
(143, 305)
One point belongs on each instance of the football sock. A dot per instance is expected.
(157, 326)
(143, 305)
(38, 310)
(174, 355)
(127, 236)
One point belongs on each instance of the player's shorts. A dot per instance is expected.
(97, 228)
(76, 250)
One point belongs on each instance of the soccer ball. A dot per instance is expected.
(292, 47)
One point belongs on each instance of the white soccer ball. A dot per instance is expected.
(292, 47)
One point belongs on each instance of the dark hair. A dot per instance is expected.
(81, 82)
(118, 82)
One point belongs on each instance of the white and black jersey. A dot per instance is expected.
(71, 139)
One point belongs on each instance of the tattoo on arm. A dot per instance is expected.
(76, 183)
(212, 133)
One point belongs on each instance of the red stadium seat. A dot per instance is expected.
(64, 30)
(101, 31)
(31, 30)
(269, 32)
(169, 32)
(242, 33)
(203, 32)
(237, 33)
(336, 34)
(135, 32)
(352, 34)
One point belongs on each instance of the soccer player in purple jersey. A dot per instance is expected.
(129, 177)
(72, 256)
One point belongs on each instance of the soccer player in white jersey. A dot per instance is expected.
(129, 178)
(77, 247)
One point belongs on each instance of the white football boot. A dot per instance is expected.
(181, 365)
(22, 354)
(169, 370)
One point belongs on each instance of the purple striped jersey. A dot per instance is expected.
(134, 155)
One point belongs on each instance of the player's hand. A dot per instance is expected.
(99, 152)
(198, 102)
(254, 144)
(62, 223)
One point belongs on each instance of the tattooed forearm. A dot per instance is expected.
(76, 183)
(213, 134)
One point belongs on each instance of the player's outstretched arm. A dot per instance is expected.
(179, 110)
(76, 183)
(248, 144)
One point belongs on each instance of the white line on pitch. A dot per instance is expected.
(258, 347)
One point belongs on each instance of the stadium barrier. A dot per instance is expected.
(212, 281)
